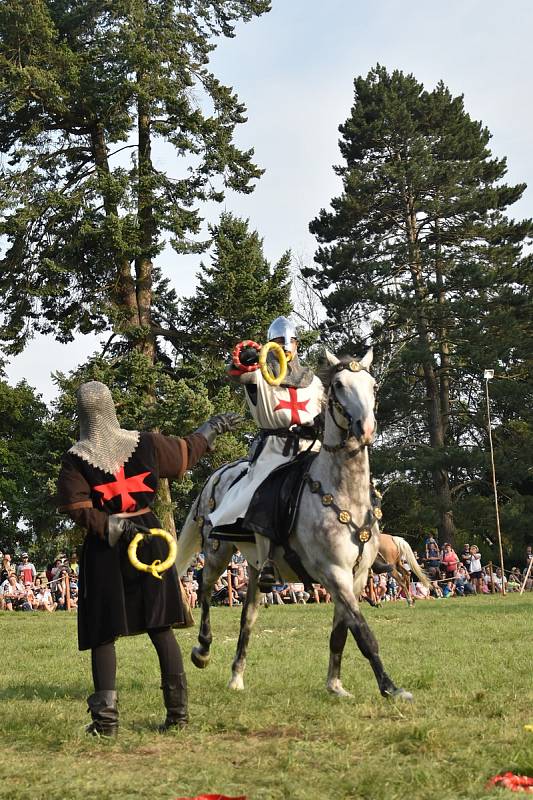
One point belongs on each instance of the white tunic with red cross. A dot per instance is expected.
(276, 407)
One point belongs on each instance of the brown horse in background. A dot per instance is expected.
(395, 550)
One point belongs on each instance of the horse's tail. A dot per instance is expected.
(189, 542)
(406, 553)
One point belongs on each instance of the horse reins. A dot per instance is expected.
(374, 514)
(334, 405)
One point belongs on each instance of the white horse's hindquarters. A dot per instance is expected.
(189, 543)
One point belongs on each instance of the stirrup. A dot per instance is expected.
(267, 577)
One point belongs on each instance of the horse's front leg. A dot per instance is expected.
(337, 641)
(215, 562)
(347, 607)
(248, 618)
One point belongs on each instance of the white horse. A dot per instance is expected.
(336, 533)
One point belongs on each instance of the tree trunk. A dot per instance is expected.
(143, 263)
(143, 273)
(124, 289)
(433, 397)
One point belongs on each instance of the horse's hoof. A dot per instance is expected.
(199, 659)
(236, 683)
(399, 694)
(336, 688)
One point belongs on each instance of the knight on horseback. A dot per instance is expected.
(288, 417)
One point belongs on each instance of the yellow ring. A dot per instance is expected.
(263, 366)
(157, 566)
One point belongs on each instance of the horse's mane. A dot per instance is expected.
(326, 371)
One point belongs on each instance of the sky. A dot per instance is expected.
(294, 69)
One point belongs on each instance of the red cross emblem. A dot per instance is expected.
(123, 486)
(294, 404)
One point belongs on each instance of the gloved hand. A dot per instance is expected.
(119, 527)
(220, 423)
(249, 356)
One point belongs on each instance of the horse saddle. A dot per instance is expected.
(274, 507)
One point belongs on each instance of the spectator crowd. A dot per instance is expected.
(23, 588)
(452, 575)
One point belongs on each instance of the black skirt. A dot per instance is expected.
(115, 599)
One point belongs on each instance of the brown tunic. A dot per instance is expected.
(114, 598)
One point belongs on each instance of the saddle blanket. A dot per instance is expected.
(274, 506)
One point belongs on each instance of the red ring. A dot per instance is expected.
(235, 355)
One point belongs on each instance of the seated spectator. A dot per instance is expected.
(29, 597)
(198, 567)
(380, 586)
(73, 585)
(435, 590)
(500, 579)
(419, 591)
(514, 583)
(221, 594)
(448, 590)
(239, 582)
(392, 588)
(529, 580)
(13, 593)
(57, 587)
(276, 595)
(487, 585)
(26, 570)
(320, 594)
(297, 593)
(191, 588)
(462, 582)
(43, 597)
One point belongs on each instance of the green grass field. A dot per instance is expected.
(468, 662)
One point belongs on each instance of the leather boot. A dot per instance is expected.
(175, 698)
(104, 712)
(267, 577)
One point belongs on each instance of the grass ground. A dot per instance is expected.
(468, 662)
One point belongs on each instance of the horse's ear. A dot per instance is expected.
(367, 359)
(331, 359)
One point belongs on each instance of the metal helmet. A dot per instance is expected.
(282, 327)
(103, 443)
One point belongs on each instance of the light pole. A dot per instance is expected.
(488, 375)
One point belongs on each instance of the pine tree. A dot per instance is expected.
(418, 247)
(80, 84)
(238, 294)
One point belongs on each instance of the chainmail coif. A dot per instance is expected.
(103, 443)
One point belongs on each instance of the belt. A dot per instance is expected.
(292, 435)
(134, 513)
(302, 432)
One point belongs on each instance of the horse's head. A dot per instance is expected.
(351, 395)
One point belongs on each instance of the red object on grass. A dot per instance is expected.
(212, 797)
(516, 783)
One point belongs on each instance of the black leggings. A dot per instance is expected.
(104, 659)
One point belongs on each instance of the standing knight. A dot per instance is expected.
(108, 482)
(287, 416)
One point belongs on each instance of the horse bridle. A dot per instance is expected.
(334, 405)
